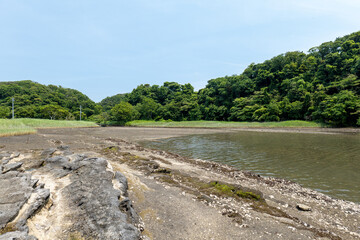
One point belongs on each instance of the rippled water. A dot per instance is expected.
(329, 163)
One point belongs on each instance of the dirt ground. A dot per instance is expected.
(177, 197)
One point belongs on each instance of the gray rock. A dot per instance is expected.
(17, 235)
(34, 204)
(122, 182)
(303, 207)
(4, 155)
(63, 147)
(99, 211)
(15, 190)
(7, 157)
(96, 203)
(11, 167)
(5, 161)
(48, 152)
(31, 164)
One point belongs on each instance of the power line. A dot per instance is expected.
(13, 116)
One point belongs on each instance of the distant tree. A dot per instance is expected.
(148, 108)
(102, 118)
(5, 112)
(342, 109)
(123, 112)
(29, 111)
(54, 112)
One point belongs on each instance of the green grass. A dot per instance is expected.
(223, 124)
(21, 126)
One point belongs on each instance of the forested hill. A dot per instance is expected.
(34, 100)
(323, 85)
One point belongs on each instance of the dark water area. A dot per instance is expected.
(328, 163)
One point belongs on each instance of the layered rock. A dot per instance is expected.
(85, 194)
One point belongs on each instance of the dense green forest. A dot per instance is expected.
(322, 85)
(34, 100)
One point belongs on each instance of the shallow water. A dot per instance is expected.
(328, 163)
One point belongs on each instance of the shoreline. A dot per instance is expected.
(313, 130)
(182, 198)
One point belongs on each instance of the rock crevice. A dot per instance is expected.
(68, 195)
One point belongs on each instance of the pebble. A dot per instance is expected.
(303, 207)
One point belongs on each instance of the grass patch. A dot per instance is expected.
(224, 124)
(22, 126)
(231, 191)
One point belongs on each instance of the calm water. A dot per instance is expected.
(327, 163)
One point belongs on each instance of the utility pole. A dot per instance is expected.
(13, 116)
(80, 112)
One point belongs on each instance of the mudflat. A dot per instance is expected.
(168, 196)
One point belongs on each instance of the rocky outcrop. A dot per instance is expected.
(20, 197)
(94, 200)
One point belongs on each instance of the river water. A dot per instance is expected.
(328, 163)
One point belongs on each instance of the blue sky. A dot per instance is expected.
(102, 48)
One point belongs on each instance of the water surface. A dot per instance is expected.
(329, 163)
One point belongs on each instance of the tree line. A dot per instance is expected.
(322, 85)
(34, 100)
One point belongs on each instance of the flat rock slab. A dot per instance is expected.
(11, 167)
(16, 188)
(94, 203)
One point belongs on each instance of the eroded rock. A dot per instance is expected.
(95, 196)
(11, 167)
(18, 202)
(16, 188)
(96, 203)
(17, 235)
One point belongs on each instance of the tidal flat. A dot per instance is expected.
(175, 197)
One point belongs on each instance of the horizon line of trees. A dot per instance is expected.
(34, 100)
(322, 86)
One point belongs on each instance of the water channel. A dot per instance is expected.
(328, 163)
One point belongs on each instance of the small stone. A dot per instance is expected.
(303, 207)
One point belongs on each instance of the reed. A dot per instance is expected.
(23, 126)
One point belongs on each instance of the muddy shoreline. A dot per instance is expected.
(181, 198)
(310, 130)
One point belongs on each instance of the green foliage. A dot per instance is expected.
(101, 119)
(170, 101)
(5, 112)
(232, 191)
(222, 124)
(34, 100)
(148, 108)
(20, 126)
(109, 102)
(123, 112)
(323, 85)
(54, 112)
(339, 109)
